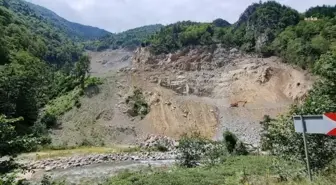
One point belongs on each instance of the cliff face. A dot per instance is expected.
(218, 77)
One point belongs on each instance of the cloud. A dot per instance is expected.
(120, 15)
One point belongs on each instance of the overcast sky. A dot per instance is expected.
(120, 15)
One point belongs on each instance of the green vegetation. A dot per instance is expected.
(280, 135)
(257, 170)
(181, 34)
(195, 149)
(233, 171)
(43, 73)
(304, 43)
(258, 26)
(321, 11)
(138, 104)
(38, 16)
(129, 39)
(40, 69)
(20, 30)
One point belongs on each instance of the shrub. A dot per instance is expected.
(195, 149)
(216, 153)
(49, 120)
(93, 81)
(230, 141)
(241, 149)
(161, 148)
(191, 150)
(138, 104)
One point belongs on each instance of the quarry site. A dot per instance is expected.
(204, 90)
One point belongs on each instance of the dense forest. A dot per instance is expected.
(38, 64)
(321, 11)
(129, 39)
(256, 28)
(36, 15)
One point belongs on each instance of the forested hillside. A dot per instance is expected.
(38, 63)
(129, 39)
(37, 14)
(257, 27)
(321, 11)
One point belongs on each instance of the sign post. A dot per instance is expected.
(314, 124)
(306, 147)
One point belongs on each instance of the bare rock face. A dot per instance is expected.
(264, 74)
(189, 59)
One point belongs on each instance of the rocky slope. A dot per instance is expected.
(201, 89)
(218, 78)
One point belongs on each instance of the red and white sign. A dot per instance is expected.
(319, 124)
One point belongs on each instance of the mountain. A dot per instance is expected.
(256, 28)
(38, 62)
(129, 39)
(72, 30)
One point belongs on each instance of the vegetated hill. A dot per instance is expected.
(52, 44)
(72, 30)
(181, 34)
(321, 11)
(255, 30)
(37, 65)
(129, 39)
(220, 23)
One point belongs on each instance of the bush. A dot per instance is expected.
(216, 153)
(241, 149)
(191, 150)
(233, 145)
(161, 148)
(230, 141)
(49, 120)
(7, 179)
(93, 81)
(138, 104)
(195, 149)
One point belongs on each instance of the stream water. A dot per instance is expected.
(97, 173)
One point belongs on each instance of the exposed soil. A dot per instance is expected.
(188, 91)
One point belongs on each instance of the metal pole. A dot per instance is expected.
(306, 148)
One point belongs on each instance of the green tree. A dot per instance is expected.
(82, 69)
(10, 142)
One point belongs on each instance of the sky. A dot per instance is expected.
(120, 15)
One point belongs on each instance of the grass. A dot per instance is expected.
(247, 170)
(63, 103)
(55, 153)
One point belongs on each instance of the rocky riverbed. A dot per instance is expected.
(151, 142)
(77, 161)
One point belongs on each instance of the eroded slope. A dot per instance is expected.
(202, 89)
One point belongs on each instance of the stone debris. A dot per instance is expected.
(153, 141)
(77, 161)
